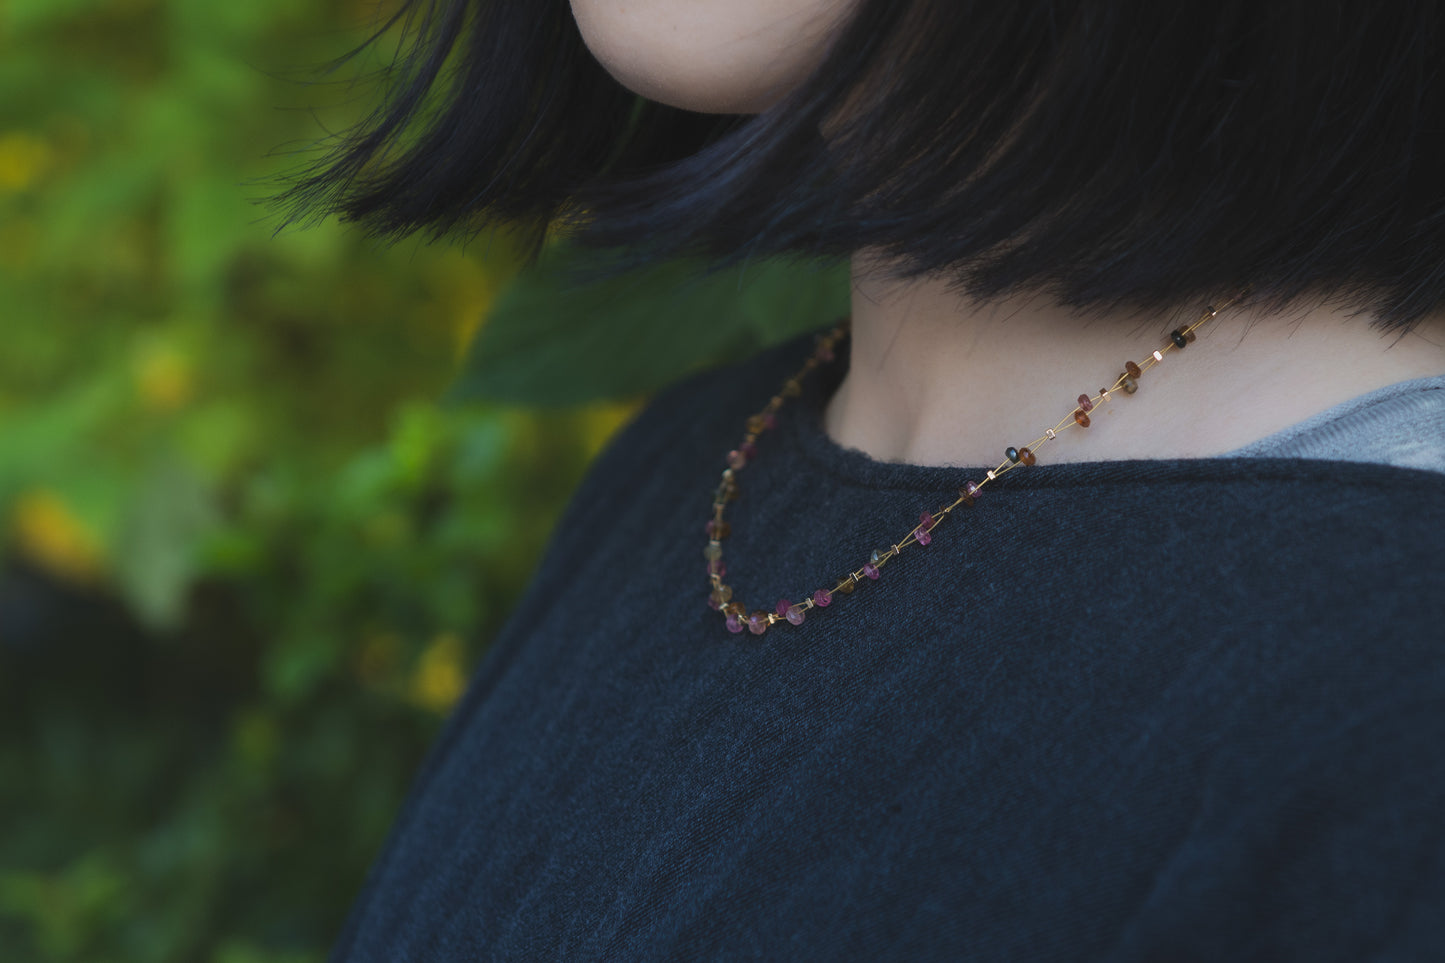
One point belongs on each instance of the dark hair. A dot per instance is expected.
(1125, 152)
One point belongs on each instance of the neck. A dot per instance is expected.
(936, 379)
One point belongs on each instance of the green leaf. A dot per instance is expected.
(550, 342)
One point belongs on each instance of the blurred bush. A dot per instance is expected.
(249, 562)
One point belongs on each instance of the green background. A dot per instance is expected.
(264, 497)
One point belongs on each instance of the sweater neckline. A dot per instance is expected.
(801, 426)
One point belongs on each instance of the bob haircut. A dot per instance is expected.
(1115, 152)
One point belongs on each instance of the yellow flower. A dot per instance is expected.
(165, 378)
(440, 676)
(55, 538)
(23, 158)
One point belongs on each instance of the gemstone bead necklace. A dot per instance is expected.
(735, 613)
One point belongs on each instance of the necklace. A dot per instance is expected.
(735, 614)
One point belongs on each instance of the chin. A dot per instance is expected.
(713, 56)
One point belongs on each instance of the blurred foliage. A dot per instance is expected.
(247, 560)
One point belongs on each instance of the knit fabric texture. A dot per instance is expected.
(1180, 710)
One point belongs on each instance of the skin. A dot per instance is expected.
(937, 379)
(940, 380)
(713, 56)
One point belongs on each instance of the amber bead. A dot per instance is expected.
(1026, 456)
(1082, 419)
(1189, 336)
(847, 585)
(1132, 369)
(722, 594)
(756, 425)
(719, 530)
(1180, 341)
(735, 608)
(791, 388)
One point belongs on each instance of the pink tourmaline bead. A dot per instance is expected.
(924, 536)
(783, 606)
(971, 488)
(749, 450)
(822, 597)
(714, 603)
(717, 567)
(825, 353)
(870, 570)
(769, 421)
(734, 624)
(758, 623)
(736, 460)
(795, 614)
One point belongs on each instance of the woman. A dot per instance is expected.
(1106, 552)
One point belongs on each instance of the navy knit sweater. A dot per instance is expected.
(1148, 711)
